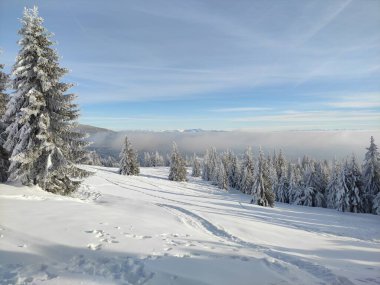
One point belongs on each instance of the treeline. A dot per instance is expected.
(342, 185)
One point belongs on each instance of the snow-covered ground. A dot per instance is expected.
(148, 230)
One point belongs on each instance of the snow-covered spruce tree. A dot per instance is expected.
(376, 204)
(109, 161)
(282, 185)
(210, 165)
(196, 169)
(262, 187)
(157, 159)
(147, 159)
(177, 166)
(129, 164)
(92, 158)
(308, 194)
(371, 177)
(221, 177)
(334, 185)
(348, 195)
(294, 178)
(4, 156)
(355, 186)
(41, 118)
(232, 169)
(247, 172)
(3, 85)
(206, 166)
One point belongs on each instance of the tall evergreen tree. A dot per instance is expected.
(147, 159)
(196, 170)
(210, 165)
(334, 185)
(3, 86)
(41, 118)
(221, 178)
(371, 176)
(348, 197)
(4, 156)
(177, 165)
(129, 164)
(309, 193)
(232, 169)
(262, 187)
(282, 185)
(294, 178)
(354, 183)
(247, 172)
(92, 158)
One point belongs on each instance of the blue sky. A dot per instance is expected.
(215, 64)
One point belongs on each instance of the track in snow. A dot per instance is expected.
(313, 269)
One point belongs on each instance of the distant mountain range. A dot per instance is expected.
(316, 143)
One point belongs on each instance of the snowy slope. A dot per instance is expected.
(148, 230)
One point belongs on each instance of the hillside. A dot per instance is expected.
(148, 230)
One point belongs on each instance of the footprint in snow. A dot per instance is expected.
(136, 236)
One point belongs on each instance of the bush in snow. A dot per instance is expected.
(41, 118)
(177, 166)
(128, 163)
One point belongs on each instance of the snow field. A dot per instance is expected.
(149, 230)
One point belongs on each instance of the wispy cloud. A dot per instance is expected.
(241, 109)
(360, 101)
(291, 120)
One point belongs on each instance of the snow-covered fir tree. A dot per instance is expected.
(308, 194)
(221, 177)
(206, 166)
(294, 178)
(196, 167)
(129, 164)
(158, 159)
(262, 187)
(348, 195)
(92, 158)
(4, 157)
(41, 118)
(109, 161)
(3, 86)
(177, 165)
(210, 165)
(247, 172)
(376, 204)
(147, 160)
(231, 163)
(281, 188)
(355, 186)
(334, 185)
(371, 177)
